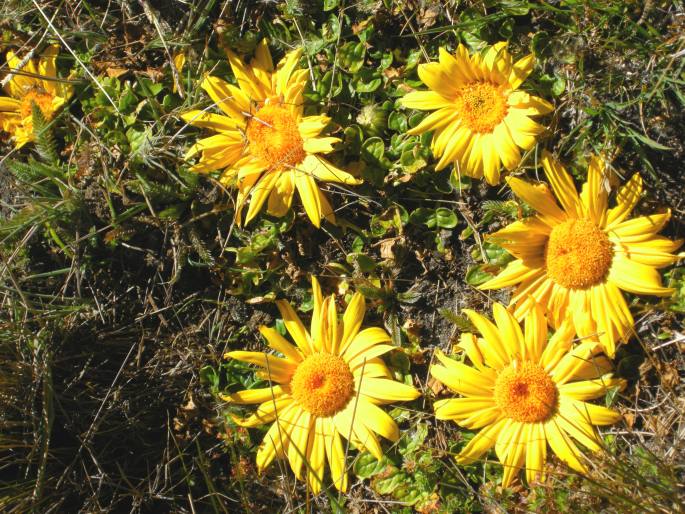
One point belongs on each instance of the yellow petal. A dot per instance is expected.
(455, 147)
(285, 70)
(377, 420)
(538, 197)
(512, 336)
(594, 195)
(316, 455)
(349, 425)
(574, 421)
(515, 456)
(595, 414)
(639, 229)
(383, 390)
(471, 413)
(212, 121)
(249, 84)
(656, 252)
(312, 126)
(491, 161)
(425, 100)
(493, 348)
(365, 339)
(294, 326)
(249, 396)
(626, 199)
(562, 445)
(528, 105)
(322, 170)
(515, 272)
(8, 104)
(562, 185)
(359, 360)
(435, 120)
(270, 363)
(227, 97)
(482, 442)
(274, 440)
(320, 144)
(309, 194)
(506, 148)
(265, 413)
(637, 278)
(280, 344)
(433, 75)
(335, 455)
(260, 192)
(352, 321)
(536, 453)
(298, 435)
(262, 58)
(466, 380)
(520, 70)
(535, 332)
(523, 130)
(281, 197)
(590, 389)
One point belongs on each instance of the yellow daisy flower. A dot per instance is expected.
(576, 256)
(480, 119)
(34, 83)
(329, 385)
(524, 392)
(264, 143)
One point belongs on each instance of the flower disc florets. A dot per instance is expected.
(40, 97)
(322, 384)
(482, 106)
(273, 136)
(578, 254)
(525, 392)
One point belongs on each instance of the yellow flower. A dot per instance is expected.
(265, 144)
(480, 119)
(329, 385)
(35, 83)
(524, 392)
(575, 257)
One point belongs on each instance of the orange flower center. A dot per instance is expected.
(322, 384)
(41, 98)
(482, 106)
(525, 392)
(578, 254)
(273, 137)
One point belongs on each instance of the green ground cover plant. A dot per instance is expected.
(135, 286)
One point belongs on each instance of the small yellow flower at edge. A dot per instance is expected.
(40, 86)
(481, 120)
(330, 384)
(264, 144)
(524, 392)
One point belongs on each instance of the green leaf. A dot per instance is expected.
(397, 122)
(445, 218)
(329, 5)
(367, 466)
(351, 56)
(362, 262)
(478, 275)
